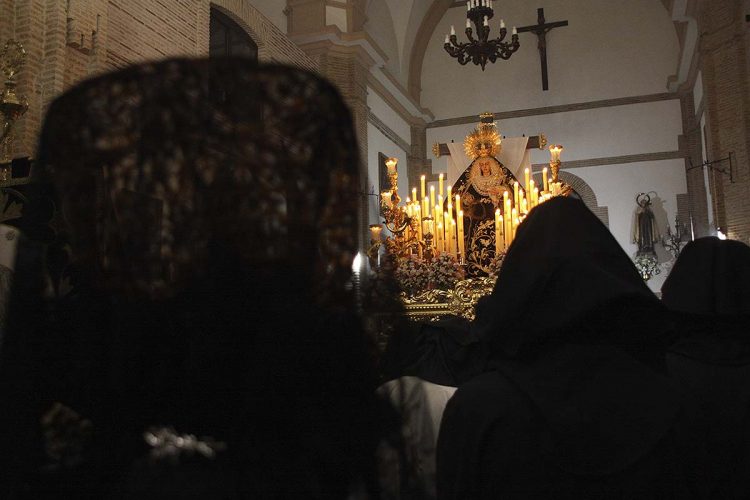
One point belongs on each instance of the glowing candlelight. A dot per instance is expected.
(422, 185)
(545, 181)
(555, 151)
(440, 185)
(497, 231)
(392, 165)
(386, 199)
(461, 241)
(526, 177)
(414, 194)
(375, 230)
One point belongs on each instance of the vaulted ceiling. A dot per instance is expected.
(413, 22)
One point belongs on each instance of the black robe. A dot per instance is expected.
(709, 293)
(575, 402)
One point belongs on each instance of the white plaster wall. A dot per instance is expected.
(380, 27)
(610, 49)
(383, 110)
(273, 10)
(595, 133)
(616, 187)
(379, 143)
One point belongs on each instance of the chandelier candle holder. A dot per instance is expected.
(482, 49)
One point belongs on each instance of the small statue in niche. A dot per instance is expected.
(645, 230)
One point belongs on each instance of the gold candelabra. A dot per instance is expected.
(428, 225)
(12, 107)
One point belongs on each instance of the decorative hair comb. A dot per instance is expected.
(166, 443)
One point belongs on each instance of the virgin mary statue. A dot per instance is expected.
(481, 187)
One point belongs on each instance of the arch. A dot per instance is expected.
(272, 43)
(419, 48)
(587, 195)
(435, 13)
(380, 27)
(227, 37)
(231, 9)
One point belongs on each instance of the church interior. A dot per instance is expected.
(462, 121)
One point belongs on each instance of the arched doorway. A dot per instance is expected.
(227, 38)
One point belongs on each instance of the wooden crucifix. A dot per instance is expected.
(540, 30)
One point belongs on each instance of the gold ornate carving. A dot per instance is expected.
(460, 301)
(484, 140)
(436, 149)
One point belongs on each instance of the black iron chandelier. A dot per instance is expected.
(482, 50)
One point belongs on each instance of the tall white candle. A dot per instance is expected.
(453, 30)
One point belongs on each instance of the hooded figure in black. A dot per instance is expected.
(210, 208)
(709, 292)
(575, 402)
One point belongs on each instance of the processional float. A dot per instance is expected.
(446, 245)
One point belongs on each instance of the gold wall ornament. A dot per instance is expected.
(12, 107)
(484, 140)
(459, 301)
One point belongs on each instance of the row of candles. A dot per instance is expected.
(446, 227)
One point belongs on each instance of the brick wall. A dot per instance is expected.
(724, 65)
(127, 32)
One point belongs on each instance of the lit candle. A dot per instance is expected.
(458, 203)
(423, 192)
(386, 199)
(454, 246)
(507, 220)
(391, 165)
(515, 31)
(427, 206)
(439, 237)
(432, 194)
(536, 196)
(515, 194)
(524, 206)
(545, 181)
(526, 177)
(502, 24)
(447, 40)
(440, 202)
(414, 194)
(531, 194)
(461, 237)
(375, 230)
(497, 231)
(555, 151)
(440, 185)
(448, 194)
(447, 227)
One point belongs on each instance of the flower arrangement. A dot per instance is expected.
(445, 271)
(647, 265)
(412, 274)
(417, 275)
